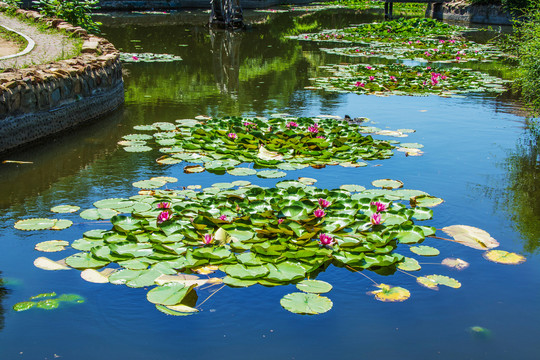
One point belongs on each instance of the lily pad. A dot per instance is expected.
(51, 245)
(471, 236)
(35, 224)
(457, 264)
(242, 171)
(409, 264)
(387, 184)
(425, 250)
(24, 305)
(149, 184)
(85, 261)
(432, 281)
(98, 214)
(48, 264)
(425, 201)
(65, 209)
(168, 294)
(306, 304)
(352, 188)
(504, 257)
(192, 169)
(49, 304)
(271, 174)
(389, 293)
(314, 286)
(98, 277)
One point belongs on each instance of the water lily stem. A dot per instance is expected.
(414, 276)
(361, 273)
(441, 238)
(212, 294)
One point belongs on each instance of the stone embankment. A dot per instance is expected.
(469, 13)
(44, 99)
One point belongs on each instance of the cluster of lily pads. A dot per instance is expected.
(401, 79)
(425, 50)
(48, 301)
(393, 31)
(276, 236)
(219, 145)
(147, 57)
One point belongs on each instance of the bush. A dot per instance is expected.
(76, 12)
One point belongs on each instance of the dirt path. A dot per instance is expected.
(8, 47)
(48, 47)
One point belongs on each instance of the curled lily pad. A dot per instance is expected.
(48, 264)
(51, 245)
(306, 304)
(307, 181)
(314, 286)
(99, 277)
(432, 281)
(425, 201)
(149, 184)
(471, 236)
(271, 174)
(389, 293)
(265, 154)
(425, 250)
(167, 310)
(409, 264)
(457, 264)
(168, 294)
(504, 257)
(191, 169)
(65, 209)
(387, 184)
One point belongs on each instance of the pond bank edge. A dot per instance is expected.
(44, 99)
(469, 13)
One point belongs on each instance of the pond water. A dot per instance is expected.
(479, 156)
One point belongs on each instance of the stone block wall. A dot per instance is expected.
(474, 14)
(41, 100)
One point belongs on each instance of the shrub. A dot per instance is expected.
(76, 12)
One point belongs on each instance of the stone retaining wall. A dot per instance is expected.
(45, 99)
(475, 14)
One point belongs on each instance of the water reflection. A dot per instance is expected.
(3, 295)
(521, 199)
(226, 60)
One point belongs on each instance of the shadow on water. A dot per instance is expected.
(3, 295)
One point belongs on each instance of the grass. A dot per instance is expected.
(13, 37)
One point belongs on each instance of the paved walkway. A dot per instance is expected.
(49, 47)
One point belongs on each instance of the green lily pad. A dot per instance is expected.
(51, 245)
(504, 257)
(352, 188)
(409, 264)
(168, 294)
(84, 261)
(271, 174)
(98, 214)
(24, 305)
(314, 286)
(389, 293)
(149, 184)
(425, 201)
(306, 304)
(235, 282)
(387, 184)
(49, 304)
(425, 250)
(164, 309)
(137, 149)
(432, 281)
(65, 209)
(35, 224)
(242, 171)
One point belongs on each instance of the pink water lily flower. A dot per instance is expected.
(319, 213)
(292, 124)
(380, 206)
(305, 37)
(324, 203)
(207, 239)
(369, 67)
(458, 58)
(376, 219)
(371, 78)
(319, 137)
(313, 129)
(223, 217)
(164, 205)
(359, 84)
(393, 78)
(163, 216)
(357, 50)
(326, 240)
(232, 136)
(135, 58)
(280, 220)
